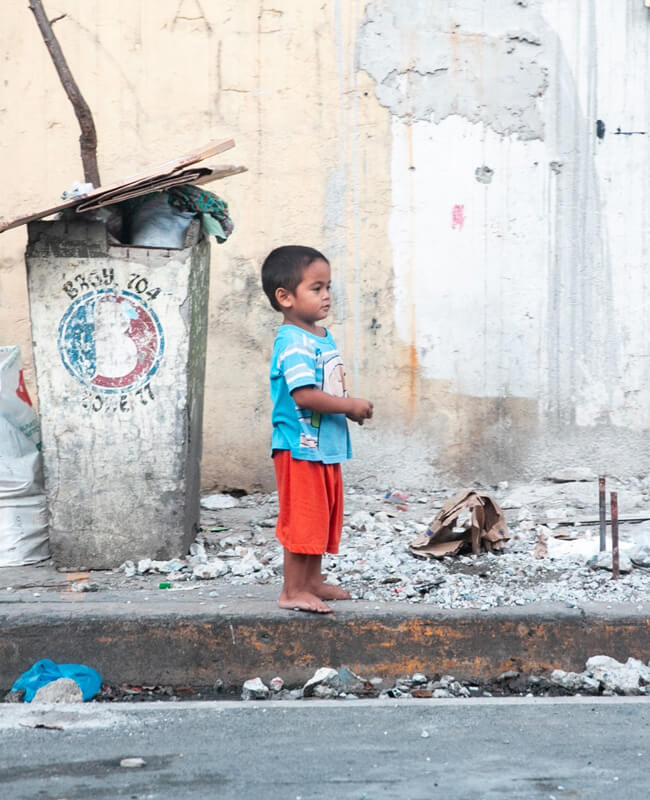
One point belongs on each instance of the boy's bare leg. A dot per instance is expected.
(295, 589)
(317, 585)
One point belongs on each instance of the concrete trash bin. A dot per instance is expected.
(119, 337)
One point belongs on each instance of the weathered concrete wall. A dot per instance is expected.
(489, 238)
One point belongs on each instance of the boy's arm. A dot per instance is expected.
(355, 408)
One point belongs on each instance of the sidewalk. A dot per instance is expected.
(214, 631)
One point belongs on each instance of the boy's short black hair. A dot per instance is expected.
(284, 267)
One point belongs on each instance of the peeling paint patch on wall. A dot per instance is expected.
(437, 60)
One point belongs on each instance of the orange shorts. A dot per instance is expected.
(311, 504)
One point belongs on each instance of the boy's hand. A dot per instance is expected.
(360, 409)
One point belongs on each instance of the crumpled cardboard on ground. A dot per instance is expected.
(486, 526)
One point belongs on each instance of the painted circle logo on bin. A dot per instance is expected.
(111, 342)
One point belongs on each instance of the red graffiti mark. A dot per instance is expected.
(21, 391)
(457, 217)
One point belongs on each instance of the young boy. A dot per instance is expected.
(310, 435)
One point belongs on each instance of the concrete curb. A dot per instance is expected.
(192, 643)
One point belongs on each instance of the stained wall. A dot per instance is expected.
(477, 172)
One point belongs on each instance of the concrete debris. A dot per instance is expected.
(362, 521)
(351, 682)
(146, 565)
(215, 568)
(62, 690)
(605, 675)
(602, 676)
(255, 689)
(575, 682)
(217, 502)
(375, 565)
(246, 565)
(128, 568)
(603, 560)
(82, 586)
(324, 683)
(629, 678)
(640, 556)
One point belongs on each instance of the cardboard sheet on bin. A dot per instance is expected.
(171, 173)
(488, 526)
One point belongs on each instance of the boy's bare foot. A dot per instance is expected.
(304, 601)
(327, 591)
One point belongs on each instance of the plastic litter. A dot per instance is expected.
(155, 223)
(399, 499)
(77, 190)
(45, 671)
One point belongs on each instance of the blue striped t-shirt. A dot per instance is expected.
(302, 359)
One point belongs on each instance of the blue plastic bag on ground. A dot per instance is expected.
(46, 671)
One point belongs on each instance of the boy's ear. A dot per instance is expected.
(283, 296)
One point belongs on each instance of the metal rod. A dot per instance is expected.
(602, 508)
(614, 504)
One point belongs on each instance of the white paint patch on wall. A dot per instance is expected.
(520, 238)
(461, 283)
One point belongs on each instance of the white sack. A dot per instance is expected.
(23, 531)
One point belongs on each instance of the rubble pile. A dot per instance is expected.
(602, 676)
(552, 553)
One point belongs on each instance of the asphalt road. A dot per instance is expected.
(335, 750)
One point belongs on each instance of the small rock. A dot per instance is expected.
(325, 692)
(247, 565)
(255, 689)
(81, 586)
(640, 556)
(325, 676)
(62, 690)
(277, 684)
(361, 521)
(625, 678)
(350, 681)
(144, 565)
(215, 568)
(283, 694)
(216, 502)
(132, 762)
(508, 675)
(197, 553)
(603, 560)
(15, 697)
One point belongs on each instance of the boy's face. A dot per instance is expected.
(310, 302)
